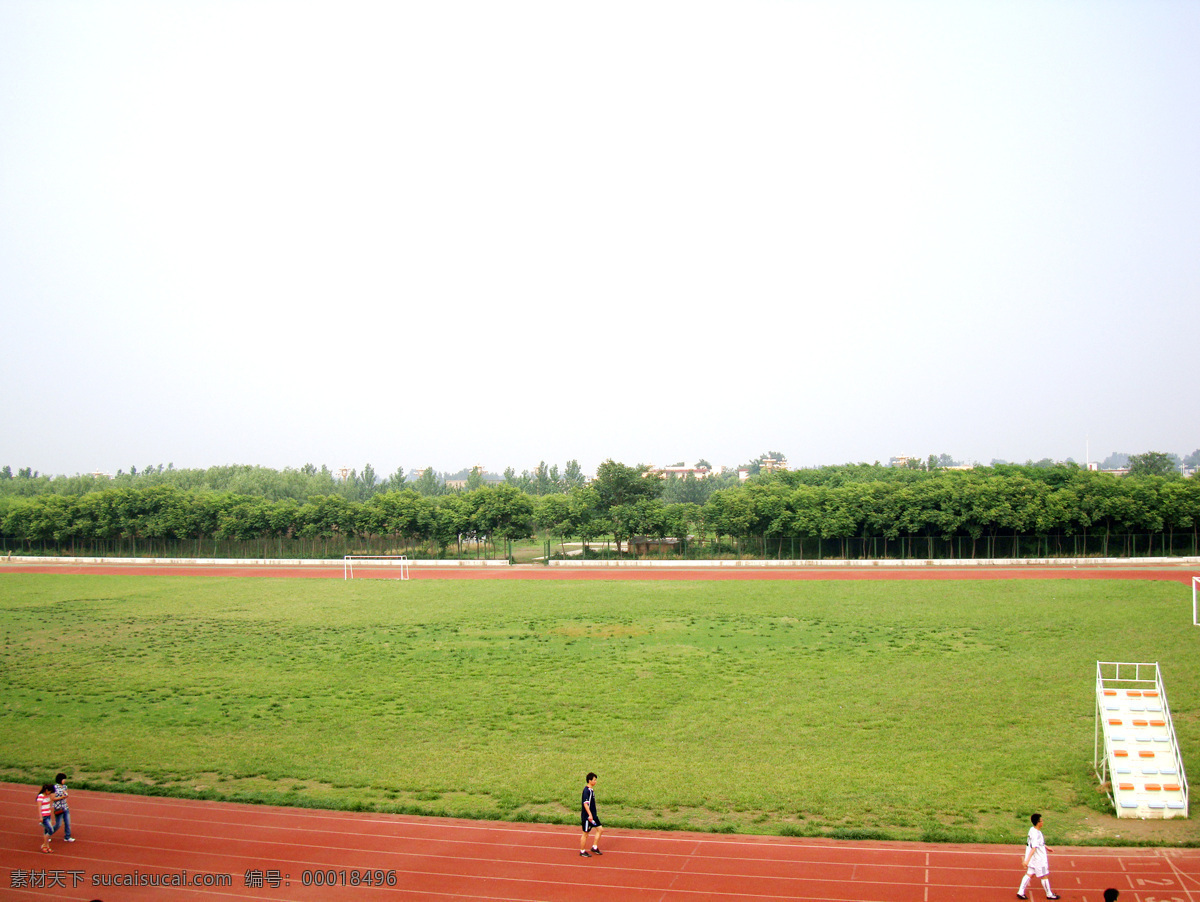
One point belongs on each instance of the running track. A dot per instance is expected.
(260, 852)
(267, 852)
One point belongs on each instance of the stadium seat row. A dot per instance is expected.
(1136, 701)
(1122, 770)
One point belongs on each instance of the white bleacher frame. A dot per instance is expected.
(1132, 679)
(398, 560)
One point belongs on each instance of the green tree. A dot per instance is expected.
(168, 514)
(245, 518)
(841, 514)
(1153, 463)
(688, 489)
(369, 481)
(730, 512)
(504, 511)
(616, 483)
(1118, 460)
(428, 484)
(455, 517)
(552, 514)
(326, 517)
(640, 517)
(283, 519)
(621, 486)
(1180, 500)
(678, 520)
(404, 514)
(51, 520)
(573, 477)
(544, 481)
(524, 482)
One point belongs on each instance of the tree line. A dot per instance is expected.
(851, 511)
(298, 484)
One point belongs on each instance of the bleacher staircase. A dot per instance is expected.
(1137, 752)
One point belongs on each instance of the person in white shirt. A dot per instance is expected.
(1037, 863)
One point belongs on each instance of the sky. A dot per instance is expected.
(462, 233)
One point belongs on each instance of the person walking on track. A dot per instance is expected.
(62, 810)
(1037, 862)
(45, 800)
(591, 820)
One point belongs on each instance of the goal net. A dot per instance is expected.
(398, 563)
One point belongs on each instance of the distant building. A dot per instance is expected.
(924, 463)
(765, 465)
(698, 471)
(651, 545)
(772, 464)
(485, 478)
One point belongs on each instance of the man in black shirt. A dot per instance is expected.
(591, 820)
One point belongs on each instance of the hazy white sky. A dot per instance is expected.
(448, 233)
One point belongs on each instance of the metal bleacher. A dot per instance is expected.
(1137, 753)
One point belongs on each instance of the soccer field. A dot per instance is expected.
(945, 710)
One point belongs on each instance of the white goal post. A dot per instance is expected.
(399, 561)
(1195, 608)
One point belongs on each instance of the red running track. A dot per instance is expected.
(276, 854)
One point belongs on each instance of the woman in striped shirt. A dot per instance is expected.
(45, 800)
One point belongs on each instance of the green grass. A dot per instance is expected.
(904, 709)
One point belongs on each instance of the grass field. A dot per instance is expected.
(937, 710)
